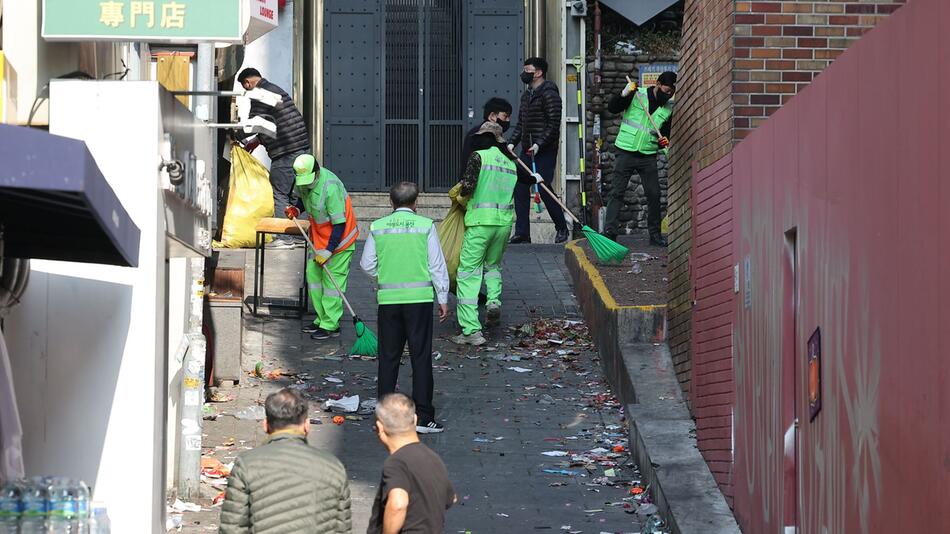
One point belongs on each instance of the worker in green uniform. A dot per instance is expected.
(644, 131)
(333, 232)
(403, 253)
(490, 177)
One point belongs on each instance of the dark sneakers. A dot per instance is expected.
(310, 328)
(429, 427)
(325, 334)
(561, 236)
(518, 239)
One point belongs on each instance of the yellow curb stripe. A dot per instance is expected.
(599, 284)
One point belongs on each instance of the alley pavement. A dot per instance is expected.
(536, 388)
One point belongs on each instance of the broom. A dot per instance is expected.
(606, 249)
(366, 343)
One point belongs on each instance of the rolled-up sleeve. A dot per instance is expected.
(437, 267)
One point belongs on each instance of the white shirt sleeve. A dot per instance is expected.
(437, 267)
(369, 261)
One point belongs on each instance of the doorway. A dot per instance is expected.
(790, 382)
(403, 80)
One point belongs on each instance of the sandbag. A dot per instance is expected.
(451, 232)
(250, 199)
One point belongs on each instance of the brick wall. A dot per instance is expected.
(781, 46)
(701, 132)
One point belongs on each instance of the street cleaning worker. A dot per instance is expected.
(490, 177)
(637, 146)
(333, 232)
(403, 253)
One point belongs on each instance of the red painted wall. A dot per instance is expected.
(847, 188)
(712, 391)
(854, 163)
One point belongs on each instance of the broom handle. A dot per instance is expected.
(646, 108)
(545, 187)
(324, 266)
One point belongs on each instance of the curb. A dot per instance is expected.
(610, 324)
(637, 364)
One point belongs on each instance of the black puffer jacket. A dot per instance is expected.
(292, 136)
(539, 118)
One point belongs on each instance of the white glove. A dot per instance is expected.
(511, 148)
(534, 149)
(629, 88)
(537, 178)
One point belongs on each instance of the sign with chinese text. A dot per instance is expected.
(184, 21)
(814, 374)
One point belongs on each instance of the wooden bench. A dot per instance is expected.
(277, 226)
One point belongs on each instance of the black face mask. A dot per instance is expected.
(662, 98)
(527, 77)
(504, 124)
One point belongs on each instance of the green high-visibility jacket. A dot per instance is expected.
(402, 251)
(636, 132)
(492, 203)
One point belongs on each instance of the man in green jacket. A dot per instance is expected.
(285, 485)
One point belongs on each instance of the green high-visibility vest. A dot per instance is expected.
(315, 197)
(402, 249)
(492, 203)
(636, 132)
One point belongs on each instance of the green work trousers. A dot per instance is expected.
(482, 249)
(327, 301)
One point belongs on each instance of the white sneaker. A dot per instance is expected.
(493, 311)
(475, 338)
(430, 428)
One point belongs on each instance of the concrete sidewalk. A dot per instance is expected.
(498, 421)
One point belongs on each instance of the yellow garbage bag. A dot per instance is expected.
(451, 232)
(250, 199)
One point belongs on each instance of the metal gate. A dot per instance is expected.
(405, 79)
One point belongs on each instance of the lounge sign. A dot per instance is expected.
(179, 21)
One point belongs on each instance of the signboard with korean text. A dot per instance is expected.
(184, 21)
(649, 73)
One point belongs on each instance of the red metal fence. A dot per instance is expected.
(841, 223)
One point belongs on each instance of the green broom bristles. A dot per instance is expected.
(366, 343)
(607, 250)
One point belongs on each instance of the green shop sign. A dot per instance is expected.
(181, 21)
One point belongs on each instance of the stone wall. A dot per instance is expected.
(633, 216)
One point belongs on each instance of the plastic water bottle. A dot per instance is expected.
(99, 522)
(33, 506)
(10, 505)
(82, 499)
(81, 496)
(62, 506)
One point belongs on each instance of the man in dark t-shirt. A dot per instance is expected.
(415, 490)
